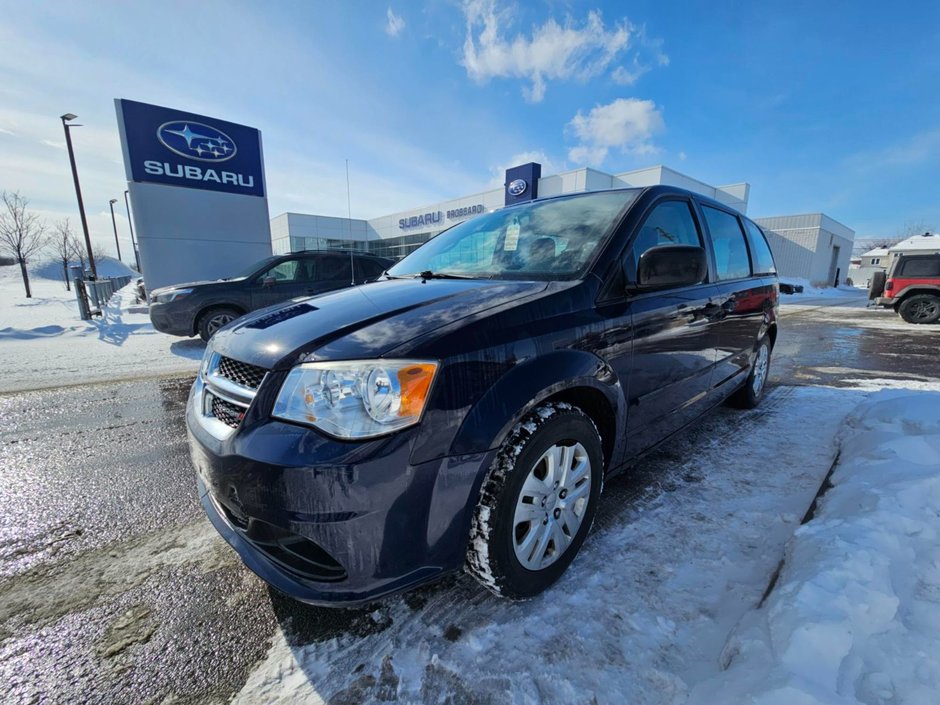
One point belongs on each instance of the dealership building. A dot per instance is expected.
(811, 247)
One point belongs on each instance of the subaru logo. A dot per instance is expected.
(517, 187)
(195, 140)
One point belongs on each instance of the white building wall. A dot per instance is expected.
(803, 246)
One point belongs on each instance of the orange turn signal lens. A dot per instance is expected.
(415, 382)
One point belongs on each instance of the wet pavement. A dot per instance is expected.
(115, 589)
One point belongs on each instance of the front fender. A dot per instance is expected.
(525, 385)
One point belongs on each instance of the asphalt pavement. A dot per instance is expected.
(115, 589)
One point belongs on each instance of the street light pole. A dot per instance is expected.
(130, 223)
(114, 223)
(78, 190)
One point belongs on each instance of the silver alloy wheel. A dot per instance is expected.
(760, 370)
(551, 505)
(217, 321)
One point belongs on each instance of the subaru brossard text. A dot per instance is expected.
(463, 411)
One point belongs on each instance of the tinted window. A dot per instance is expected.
(920, 267)
(334, 269)
(551, 239)
(731, 257)
(370, 269)
(760, 250)
(670, 223)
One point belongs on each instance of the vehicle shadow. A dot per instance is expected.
(190, 348)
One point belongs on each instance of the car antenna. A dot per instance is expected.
(352, 267)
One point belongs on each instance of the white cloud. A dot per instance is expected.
(552, 51)
(395, 24)
(627, 124)
(549, 165)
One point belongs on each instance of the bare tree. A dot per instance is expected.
(63, 245)
(78, 251)
(21, 233)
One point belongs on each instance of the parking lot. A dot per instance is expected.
(115, 589)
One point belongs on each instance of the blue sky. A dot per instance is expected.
(828, 107)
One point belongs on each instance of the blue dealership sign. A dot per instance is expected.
(167, 146)
(522, 183)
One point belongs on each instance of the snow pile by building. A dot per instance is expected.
(855, 614)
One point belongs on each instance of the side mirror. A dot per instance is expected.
(668, 266)
(268, 281)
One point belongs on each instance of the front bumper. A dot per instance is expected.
(171, 319)
(330, 522)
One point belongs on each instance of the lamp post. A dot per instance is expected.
(130, 224)
(114, 223)
(78, 189)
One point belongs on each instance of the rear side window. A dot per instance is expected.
(370, 269)
(731, 255)
(760, 250)
(920, 267)
(334, 269)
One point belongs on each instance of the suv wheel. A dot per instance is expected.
(749, 396)
(537, 502)
(920, 308)
(215, 318)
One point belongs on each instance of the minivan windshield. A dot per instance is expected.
(552, 239)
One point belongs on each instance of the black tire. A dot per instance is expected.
(749, 396)
(920, 308)
(876, 286)
(491, 555)
(214, 318)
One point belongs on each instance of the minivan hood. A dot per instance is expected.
(362, 321)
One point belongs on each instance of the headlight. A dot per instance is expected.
(166, 297)
(358, 399)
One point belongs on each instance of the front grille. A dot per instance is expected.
(240, 372)
(225, 411)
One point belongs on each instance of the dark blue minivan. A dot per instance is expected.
(464, 410)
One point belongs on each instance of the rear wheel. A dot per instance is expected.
(920, 308)
(752, 392)
(537, 502)
(215, 318)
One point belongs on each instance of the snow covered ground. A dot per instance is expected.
(855, 614)
(44, 342)
(813, 297)
(644, 614)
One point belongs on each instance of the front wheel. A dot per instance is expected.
(215, 318)
(537, 502)
(749, 396)
(921, 308)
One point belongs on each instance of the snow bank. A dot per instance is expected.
(810, 290)
(855, 614)
(105, 266)
(44, 342)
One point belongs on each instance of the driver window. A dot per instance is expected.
(286, 271)
(670, 223)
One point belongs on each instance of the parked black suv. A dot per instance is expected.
(204, 307)
(465, 410)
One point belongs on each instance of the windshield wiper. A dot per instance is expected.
(428, 274)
